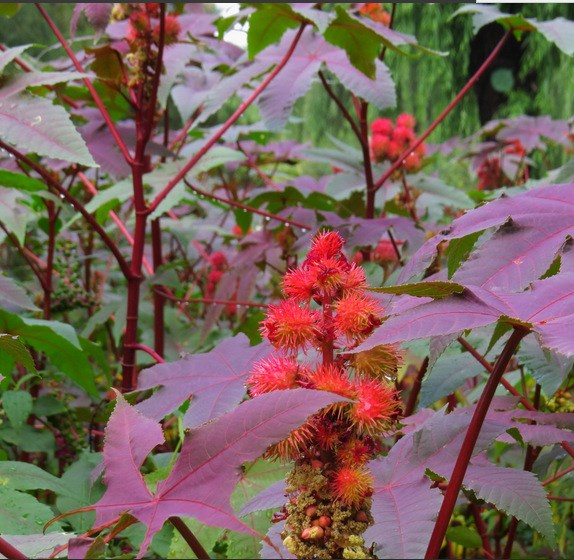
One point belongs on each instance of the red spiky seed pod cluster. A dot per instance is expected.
(328, 312)
(390, 140)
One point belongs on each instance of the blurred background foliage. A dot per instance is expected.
(531, 77)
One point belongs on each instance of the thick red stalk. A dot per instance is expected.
(144, 121)
(149, 351)
(509, 387)
(49, 180)
(445, 112)
(369, 180)
(99, 103)
(228, 123)
(7, 550)
(457, 477)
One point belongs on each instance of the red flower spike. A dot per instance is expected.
(374, 407)
(295, 445)
(172, 29)
(218, 259)
(330, 275)
(357, 315)
(351, 485)
(385, 252)
(274, 374)
(406, 120)
(290, 326)
(394, 150)
(412, 162)
(379, 362)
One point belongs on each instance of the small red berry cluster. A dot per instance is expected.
(389, 141)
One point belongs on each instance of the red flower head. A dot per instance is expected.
(351, 485)
(403, 135)
(407, 120)
(325, 245)
(379, 145)
(374, 407)
(218, 260)
(354, 280)
(357, 316)
(274, 374)
(355, 451)
(331, 378)
(290, 326)
(412, 162)
(382, 127)
(394, 150)
(299, 283)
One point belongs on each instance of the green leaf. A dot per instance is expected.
(437, 289)
(20, 181)
(17, 405)
(81, 491)
(268, 24)
(13, 346)
(13, 214)
(9, 9)
(9, 55)
(22, 514)
(60, 343)
(458, 251)
(29, 439)
(48, 405)
(16, 475)
(465, 536)
(559, 31)
(361, 44)
(243, 219)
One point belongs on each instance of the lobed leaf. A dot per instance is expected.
(34, 124)
(210, 458)
(214, 381)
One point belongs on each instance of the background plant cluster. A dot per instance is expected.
(157, 182)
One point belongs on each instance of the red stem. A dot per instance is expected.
(445, 112)
(369, 180)
(508, 386)
(415, 390)
(246, 208)
(558, 475)
(158, 298)
(102, 108)
(76, 203)
(7, 550)
(49, 259)
(217, 301)
(469, 442)
(150, 351)
(189, 538)
(482, 530)
(238, 112)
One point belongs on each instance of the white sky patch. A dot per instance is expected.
(237, 35)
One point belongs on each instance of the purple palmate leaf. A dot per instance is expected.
(296, 77)
(404, 504)
(535, 224)
(214, 381)
(207, 470)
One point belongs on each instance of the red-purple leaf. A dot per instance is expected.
(207, 470)
(537, 224)
(472, 308)
(214, 381)
(295, 78)
(404, 504)
(515, 492)
(33, 124)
